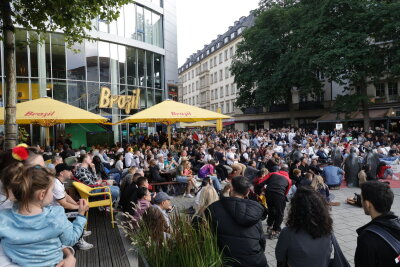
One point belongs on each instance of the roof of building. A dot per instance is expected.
(221, 41)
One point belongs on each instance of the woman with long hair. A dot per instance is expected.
(183, 176)
(306, 239)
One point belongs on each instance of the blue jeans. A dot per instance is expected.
(114, 191)
(115, 176)
(215, 181)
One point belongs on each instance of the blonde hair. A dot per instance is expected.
(318, 182)
(25, 182)
(208, 195)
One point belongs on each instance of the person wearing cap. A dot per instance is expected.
(162, 201)
(61, 198)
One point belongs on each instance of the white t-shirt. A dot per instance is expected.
(230, 158)
(58, 192)
(119, 165)
(128, 159)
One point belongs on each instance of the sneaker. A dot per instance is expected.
(274, 235)
(188, 195)
(83, 245)
(87, 233)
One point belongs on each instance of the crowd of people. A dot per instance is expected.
(236, 179)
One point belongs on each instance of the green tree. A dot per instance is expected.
(271, 61)
(353, 42)
(73, 17)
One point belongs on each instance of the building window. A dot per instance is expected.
(190, 88)
(215, 77)
(227, 106)
(215, 61)
(212, 94)
(226, 90)
(232, 89)
(226, 72)
(226, 54)
(211, 63)
(232, 35)
(233, 105)
(220, 75)
(393, 91)
(220, 58)
(380, 90)
(212, 78)
(222, 107)
(212, 49)
(197, 85)
(221, 92)
(231, 51)
(226, 39)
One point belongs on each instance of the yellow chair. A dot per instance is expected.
(85, 192)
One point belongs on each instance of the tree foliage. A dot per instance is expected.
(73, 17)
(353, 42)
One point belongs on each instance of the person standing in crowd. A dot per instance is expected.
(306, 239)
(372, 249)
(352, 168)
(277, 187)
(237, 221)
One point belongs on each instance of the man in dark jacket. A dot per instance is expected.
(238, 224)
(372, 250)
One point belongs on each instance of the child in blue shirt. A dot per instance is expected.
(32, 232)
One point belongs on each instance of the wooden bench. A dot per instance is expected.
(172, 183)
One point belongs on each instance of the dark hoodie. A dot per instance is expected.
(239, 230)
(372, 250)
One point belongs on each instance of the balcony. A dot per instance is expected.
(311, 105)
(253, 110)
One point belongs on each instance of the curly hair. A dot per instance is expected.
(309, 212)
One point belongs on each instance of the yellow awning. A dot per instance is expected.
(170, 112)
(198, 124)
(48, 112)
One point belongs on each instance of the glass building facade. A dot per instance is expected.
(75, 75)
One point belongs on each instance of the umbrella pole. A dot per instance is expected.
(47, 136)
(169, 134)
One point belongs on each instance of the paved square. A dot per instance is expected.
(346, 220)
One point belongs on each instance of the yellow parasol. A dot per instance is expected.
(198, 124)
(48, 112)
(170, 112)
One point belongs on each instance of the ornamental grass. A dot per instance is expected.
(185, 245)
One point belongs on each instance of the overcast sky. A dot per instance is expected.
(200, 22)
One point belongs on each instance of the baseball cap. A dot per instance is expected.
(233, 147)
(63, 167)
(160, 197)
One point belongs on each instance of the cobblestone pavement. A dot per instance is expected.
(346, 219)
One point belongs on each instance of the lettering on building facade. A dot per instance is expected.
(127, 102)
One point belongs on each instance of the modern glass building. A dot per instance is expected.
(130, 53)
